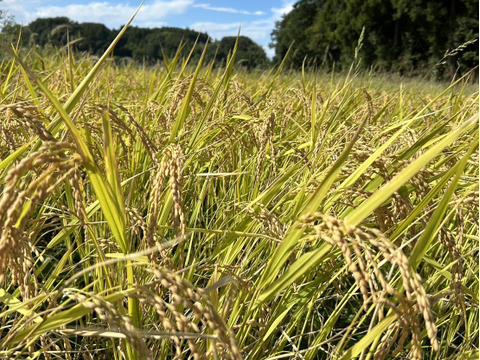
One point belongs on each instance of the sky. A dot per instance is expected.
(218, 18)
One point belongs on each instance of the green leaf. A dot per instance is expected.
(185, 109)
(421, 246)
(62, 318)
(297, 270)
(372, 334)
(381, 195)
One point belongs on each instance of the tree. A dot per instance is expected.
(249, 54)
(292, 29)
(7, 26)
(400, 35)
(152, 44)
(5, 19)
(53, 31)
(95, 38)
(140, 44)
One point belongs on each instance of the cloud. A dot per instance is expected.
(254, 29)
(258, 30)
(287, 6)
(228, 10)
(112, 15)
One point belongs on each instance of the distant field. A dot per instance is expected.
(196, 212)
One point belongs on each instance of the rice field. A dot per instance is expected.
(189, 211)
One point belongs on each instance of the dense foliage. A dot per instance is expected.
(175, 211)
(407, 36)
(137, 43)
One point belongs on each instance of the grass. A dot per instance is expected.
(191, 211)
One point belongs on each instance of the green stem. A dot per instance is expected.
(133, 311)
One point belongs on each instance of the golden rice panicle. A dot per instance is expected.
(411, 281)
(343, 236)
(265, 138)
(147, 142)
(183, 294)
(398, 332)
(78, 195)
(158, 178)
(330, 231)
(164, 311)
(359, 272)
(170, 166)
(389, 338)
(410, 319)
(177, 94)
(108, 313)
(271, 224)
(465, 207)
(29, 115)
(48, 342)
(415, 292)
(138, 225)
(15, 248)
(175, 167)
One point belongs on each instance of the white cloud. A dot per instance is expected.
(112, 15)
(258, 30)
(253, 29)
(269, 51)
(228, 10)
(287, 6)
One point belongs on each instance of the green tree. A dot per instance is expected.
(9, 30)
(137, 43)
(53, 31)
(293, 28)
(249, 54)
(153, 44)
(95, 38)
(400, 35)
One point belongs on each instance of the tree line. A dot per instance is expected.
(141, 44)
(406, 36)
(411, 37)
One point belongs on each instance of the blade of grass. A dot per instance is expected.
(185, 109)
(422, 244)
(381, 195)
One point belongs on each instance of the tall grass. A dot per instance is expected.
(198, 212)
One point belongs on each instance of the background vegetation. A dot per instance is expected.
(399, 36)
(438, 39)
(140, 44)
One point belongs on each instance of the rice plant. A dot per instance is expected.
(190, 211)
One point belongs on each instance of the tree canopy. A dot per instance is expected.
(400, 35)
(137, 43)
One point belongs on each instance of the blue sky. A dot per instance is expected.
(216, 17)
